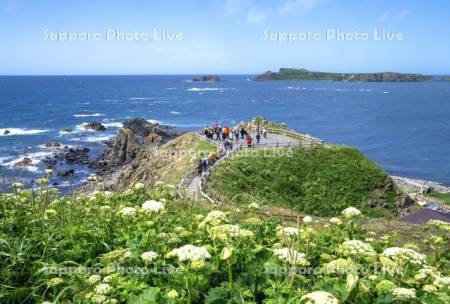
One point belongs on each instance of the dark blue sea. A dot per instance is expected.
(403, 127)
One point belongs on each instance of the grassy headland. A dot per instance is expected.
(303, 74)
(321, 181)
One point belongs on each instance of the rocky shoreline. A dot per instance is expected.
(419, 185)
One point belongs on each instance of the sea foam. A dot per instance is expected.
(18, 131)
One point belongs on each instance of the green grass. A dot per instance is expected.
(441, 197)
(319, 181)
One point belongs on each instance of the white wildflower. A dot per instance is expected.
(402, 294)
(103, 288)
(335, 221)
(356, 248)
(94, 278)
(290, 256)
(319, 297)
(98, 298)
(149, 256)
(190, 253)
(128, 211)
(213, 218)
(153, 206)
(307, 219)
(403, 255)
(351, 212)
(287, 231)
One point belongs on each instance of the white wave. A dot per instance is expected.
(296, 88)
(113, 124)
(175, 112)
(35, 158)
(386, 92)
(76, 130)
(83, 103)
(110, 100)
(89, 115)
(5, 159)
(205, 89)
(139, 98)
(171, 88)
(97, 138)
(18, 131)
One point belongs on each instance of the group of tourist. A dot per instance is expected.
(228, 137)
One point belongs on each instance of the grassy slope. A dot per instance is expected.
(167, 164)
(318, 181)
(188, 150)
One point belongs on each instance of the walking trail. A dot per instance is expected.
(272, 140)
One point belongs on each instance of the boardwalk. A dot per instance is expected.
(272, 140)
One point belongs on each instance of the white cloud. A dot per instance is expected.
(290, 6)
(255, 17)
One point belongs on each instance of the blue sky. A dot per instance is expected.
(222, 36)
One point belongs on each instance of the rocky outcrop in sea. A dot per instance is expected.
(212, 78)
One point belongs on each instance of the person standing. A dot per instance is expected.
(258, 137)
(264, 132)
(204, 163)
(243, 132)
(200, 167)
(236, 135)
(249, 141)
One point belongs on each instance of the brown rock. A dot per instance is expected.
(25, 162)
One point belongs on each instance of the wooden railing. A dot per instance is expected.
(294, 134)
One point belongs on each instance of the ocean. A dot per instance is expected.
(403, 127)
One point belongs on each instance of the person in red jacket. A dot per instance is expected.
(249, 141)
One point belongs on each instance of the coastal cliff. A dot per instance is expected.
(303, 74)
(143, 152)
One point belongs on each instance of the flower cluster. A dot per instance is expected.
(153, 206)
(402, 256)
(128, 212)
(228, 231)
(190, 253)
(287, 231)
(117, 255)
(404, 294)
(356, 248)
(149, 256)
(213, 218)
(340, 266)
(351, 212)
(291, 256)
(321, 297)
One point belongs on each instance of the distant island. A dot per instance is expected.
(211, 78)
(303, 74)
